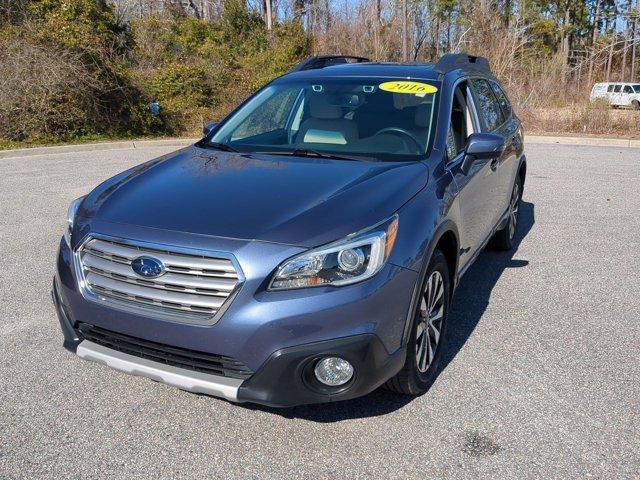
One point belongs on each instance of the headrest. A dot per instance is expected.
(319, 107)
(423, 114)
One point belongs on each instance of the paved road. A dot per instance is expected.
(542, 377)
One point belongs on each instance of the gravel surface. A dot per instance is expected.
(540, 380)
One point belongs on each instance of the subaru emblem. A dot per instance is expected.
(147, 267)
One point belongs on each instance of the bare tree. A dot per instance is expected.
(268, 14)
(611, 52)
(405, 32)
(634, 38)
(625, 49)
(377, 17)
(594, 36)
(565, 38)
(298, 10)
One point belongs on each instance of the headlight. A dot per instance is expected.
(356, 258)
(71, 216)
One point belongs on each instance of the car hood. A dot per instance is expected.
(293, 200)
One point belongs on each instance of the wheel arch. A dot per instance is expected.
(446, 239)
(522, 173)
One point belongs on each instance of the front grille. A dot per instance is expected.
(158, 352)
(192, 284)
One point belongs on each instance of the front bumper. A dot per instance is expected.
(277, 335)
(284, 380)
(192, 381)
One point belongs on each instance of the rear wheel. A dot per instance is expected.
(503, 239)
(427, 332)
(635, 104)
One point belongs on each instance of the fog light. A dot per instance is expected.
(333, 371)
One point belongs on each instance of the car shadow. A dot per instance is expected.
(470, 302)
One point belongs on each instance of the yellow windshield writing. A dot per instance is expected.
(412, 88)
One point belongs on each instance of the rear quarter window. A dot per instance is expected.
(503, 101)
(488, 104)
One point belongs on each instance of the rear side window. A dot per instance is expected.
(610, 88)
(503, 101)
(488, 104)
(617, 88)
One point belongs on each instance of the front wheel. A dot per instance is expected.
(427, 332)
(503, 239)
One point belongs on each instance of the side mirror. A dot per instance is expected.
(481, 146)
(208, 127)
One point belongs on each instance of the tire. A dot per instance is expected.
(415, 378)
(635, 104)
(503, 239)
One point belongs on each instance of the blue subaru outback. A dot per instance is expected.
(308, 247)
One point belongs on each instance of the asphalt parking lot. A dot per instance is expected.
(541, 379)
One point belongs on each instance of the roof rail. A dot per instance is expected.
(453, 61)
(311, 63)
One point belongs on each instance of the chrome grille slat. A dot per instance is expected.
(170, 268)
(160, 287)
(130, 252)
(175, 308)
(198, 285)
(154, 294)
(222, 285)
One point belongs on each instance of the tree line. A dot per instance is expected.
(590, 39)
(89, 68)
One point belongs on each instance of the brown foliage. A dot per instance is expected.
(44, 90)
(587, 118)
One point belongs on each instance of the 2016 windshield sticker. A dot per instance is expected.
(412, 88)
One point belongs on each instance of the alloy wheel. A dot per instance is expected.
(430, 321)
(513, 210)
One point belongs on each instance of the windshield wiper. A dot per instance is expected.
(304, 152)
(220, 146)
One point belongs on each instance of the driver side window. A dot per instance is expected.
(462, 122)
(273, 116)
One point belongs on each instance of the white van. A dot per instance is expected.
(618, 94)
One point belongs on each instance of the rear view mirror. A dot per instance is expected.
(481, 146)
(208, 127)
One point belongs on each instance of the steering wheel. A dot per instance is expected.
(401, 131)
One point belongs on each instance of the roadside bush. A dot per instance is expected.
(70, 70)
(597, 118)
(186, 85)
(287, 46)
(45, 91)
(185, 93)
(88, 26)
(593, 117)
(200, 70)
(63, 74)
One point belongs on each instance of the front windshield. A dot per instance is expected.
(363, 118)
(636, 88)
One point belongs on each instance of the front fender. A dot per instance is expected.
(423, 222)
